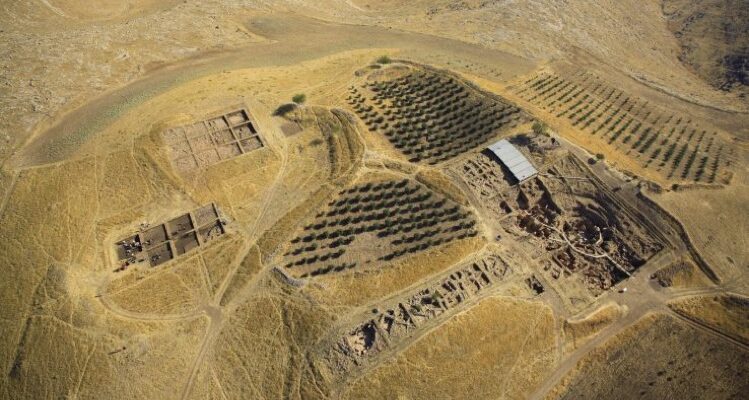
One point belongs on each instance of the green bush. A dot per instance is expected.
(384, 60)
(600, 156)
(299, 98)
(539, 128)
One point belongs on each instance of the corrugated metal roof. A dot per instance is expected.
(513, 159)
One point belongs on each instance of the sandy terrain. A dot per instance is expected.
(171, 226)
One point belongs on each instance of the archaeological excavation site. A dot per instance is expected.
(374, 200)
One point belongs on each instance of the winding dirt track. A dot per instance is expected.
(291, 39)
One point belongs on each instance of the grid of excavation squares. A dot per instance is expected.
(432, 118)
(213, 140)
(180, 235)
(380, 221)
(661, 140)
(391, 324)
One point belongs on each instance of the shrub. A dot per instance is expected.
(539, 128)
(299, 98)
(384, 60)
(600, 156)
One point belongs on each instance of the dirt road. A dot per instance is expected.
(291, 40)
(643, 296)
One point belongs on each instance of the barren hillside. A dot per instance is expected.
(373, 199)
(714, 39)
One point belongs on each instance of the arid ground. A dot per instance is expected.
(298, 200)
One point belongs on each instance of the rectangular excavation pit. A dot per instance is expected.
(201, 143)
(250, 144)
(222, 136)
(130, 248)
(237, 117)
(160, 254)
(230, 150)
(211, 232)
(244, 131)
(198, 145)
(185, 243)
(166, 241)
(205, 214)
(216, 124)
(154, 236)
(180, 225)
(291, 128)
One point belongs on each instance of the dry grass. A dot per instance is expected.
(360, 288)
(72, 328)
(260, 352)
(728, 313)
(681, 274)
(508, 344)
(579, 331)
(659, 357)
(177, 290)
(714, 219)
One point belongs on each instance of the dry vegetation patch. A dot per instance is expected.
(680, 275)
(67, 330)
(178, 290)
(508, 344)
(713, 40)
(713, 219)
(660, 357)
(729, 313)
(39, 228)
(261, 351)
(579, 331)
(392, 324)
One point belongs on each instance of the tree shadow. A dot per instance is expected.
(284, 109)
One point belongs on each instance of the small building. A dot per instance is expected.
(520, 167)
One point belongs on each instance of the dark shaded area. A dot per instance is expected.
(714, 39)
(284, 109)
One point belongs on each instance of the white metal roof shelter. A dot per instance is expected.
(514, 160)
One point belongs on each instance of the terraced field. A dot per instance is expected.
(669, 143)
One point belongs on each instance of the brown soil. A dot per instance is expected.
(366, 246)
